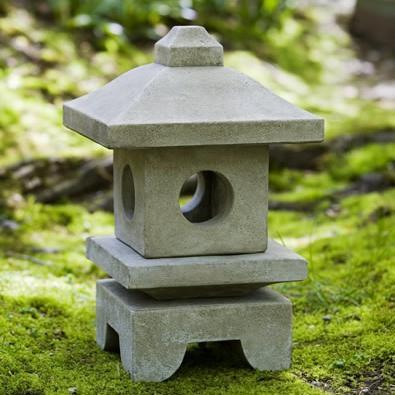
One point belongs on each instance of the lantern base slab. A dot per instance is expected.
(196, 276)
(153, 335)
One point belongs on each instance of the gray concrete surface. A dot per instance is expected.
(153, 335)
(195, 276)
(159, 228)
(158, 106)
(188, 46)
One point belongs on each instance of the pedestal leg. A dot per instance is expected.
(106, 337)
(268, 346)
(150, 361)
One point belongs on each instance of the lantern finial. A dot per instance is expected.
(188, 46)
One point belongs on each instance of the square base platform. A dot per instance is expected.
(153, 335)
(196, 276)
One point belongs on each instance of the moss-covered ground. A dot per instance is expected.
(343, 338)
(343, 326)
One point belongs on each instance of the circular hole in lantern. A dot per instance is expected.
(128, 193)
(205, 195)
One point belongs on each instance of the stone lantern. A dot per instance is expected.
(198, 272)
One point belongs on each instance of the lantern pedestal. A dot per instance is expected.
(153, 335)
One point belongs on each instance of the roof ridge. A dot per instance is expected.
(137, 97)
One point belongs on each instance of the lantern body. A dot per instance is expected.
(227, 214)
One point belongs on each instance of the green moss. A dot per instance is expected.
(302, 186)
(343, 331)
(370, 158)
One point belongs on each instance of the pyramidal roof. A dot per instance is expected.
(188, 98)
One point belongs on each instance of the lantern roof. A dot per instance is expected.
(188, 98)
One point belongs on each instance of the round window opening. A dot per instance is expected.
(204, 196)
(127, 191)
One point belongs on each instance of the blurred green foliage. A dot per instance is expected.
(142, 20)
(266, 27)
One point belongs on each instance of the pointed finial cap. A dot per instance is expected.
(188, 46)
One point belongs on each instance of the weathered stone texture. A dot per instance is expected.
(153, 335)
(194, 276)
(158, 228)
(188, 46)
(160, 106)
